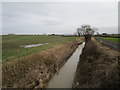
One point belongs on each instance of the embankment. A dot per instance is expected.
(35, 70)
(98, 67)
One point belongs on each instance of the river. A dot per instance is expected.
(64, 79)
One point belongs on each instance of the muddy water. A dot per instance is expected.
(33, 45)
(64, 78)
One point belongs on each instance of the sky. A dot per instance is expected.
(58, 17)
(59, 0)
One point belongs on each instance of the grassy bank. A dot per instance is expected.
(36, 69)
(97, 68)
(111, 39)
(11, 44)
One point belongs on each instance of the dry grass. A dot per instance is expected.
(35, 70)
(97, 68)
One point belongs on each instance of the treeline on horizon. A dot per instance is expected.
(99, 35)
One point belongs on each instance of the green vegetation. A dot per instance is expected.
(11, 44)
(111, 39)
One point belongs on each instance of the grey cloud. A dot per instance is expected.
(56, 17)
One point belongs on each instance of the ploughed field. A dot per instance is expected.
(11, 44)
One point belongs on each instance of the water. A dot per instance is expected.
(33, 45)
(65, 77)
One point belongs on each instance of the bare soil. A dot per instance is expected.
(98, 67)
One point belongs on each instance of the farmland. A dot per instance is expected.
(33, 67)
(42, 62)
(11, 44)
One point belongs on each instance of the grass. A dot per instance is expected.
(11, 43)
(35, 70)
(111, 39)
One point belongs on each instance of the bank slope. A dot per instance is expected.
(97, 68)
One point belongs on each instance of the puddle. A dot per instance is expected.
(33, 45)
(64, 79)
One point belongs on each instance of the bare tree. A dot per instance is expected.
(87, 31)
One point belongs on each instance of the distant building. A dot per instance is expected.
(11, 34)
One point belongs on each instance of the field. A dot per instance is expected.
(33, 67)
(111, 39)
(11, 44)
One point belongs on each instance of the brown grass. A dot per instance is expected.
(35, 70)
(97, 68)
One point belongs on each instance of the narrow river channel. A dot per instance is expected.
(64, 78)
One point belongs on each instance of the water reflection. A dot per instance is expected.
(33, 45)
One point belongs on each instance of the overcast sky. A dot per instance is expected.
(58, 17)
(59, 0)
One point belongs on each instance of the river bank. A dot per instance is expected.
(35, 70)
(98, 67)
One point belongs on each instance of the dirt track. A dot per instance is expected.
(108, 43)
